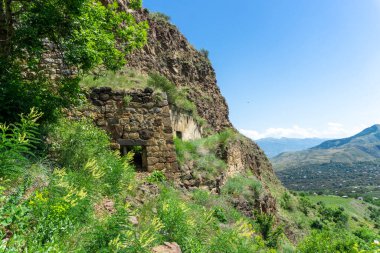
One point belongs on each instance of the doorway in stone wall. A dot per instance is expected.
(139, 158)
(178, 134)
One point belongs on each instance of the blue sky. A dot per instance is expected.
(289, 68)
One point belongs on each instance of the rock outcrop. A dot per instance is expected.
(169, 53)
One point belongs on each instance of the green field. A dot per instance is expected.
(353, 207)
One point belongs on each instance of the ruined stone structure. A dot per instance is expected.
(137, 118)
(184, 126)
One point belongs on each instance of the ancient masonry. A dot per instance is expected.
(140, 118)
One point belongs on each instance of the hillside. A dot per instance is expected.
(116, 138)
(274, 146)
(364, 146)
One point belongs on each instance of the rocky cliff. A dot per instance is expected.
(169, 53)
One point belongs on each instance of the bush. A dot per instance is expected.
(176, 96)
(205, 163)
(241, 185)
(16, 141)
(286, 201)
(159, 16)
(270, 233)
(156, 177)
(332, 241)
(204, 52)
(304, 205)
(333, 215)
(219, 213)
(80, 146)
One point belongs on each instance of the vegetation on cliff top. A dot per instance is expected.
(85, 34)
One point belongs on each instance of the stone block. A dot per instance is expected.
(152, 160)
(104, 96)
(115, 146)
(101, 122)
(152, 142)
(113, 121)
(168, 130)
(104, 89)
(134, 136)
(98, 102)
(145, 134)
(148, 105)
(153, 149)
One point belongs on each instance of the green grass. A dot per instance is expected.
(354, 208)
(124, 79)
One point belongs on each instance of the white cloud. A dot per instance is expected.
(332, 130)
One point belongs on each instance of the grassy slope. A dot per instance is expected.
(354, 208)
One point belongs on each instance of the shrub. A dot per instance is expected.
(334, 215)
(316, 224)
(270, 233)
(205, 162)
(127, 99)
(188, 225)
(204, 52)
(219, 213)
(80, 146)
(304, 205)
(241, 185)
(156, 177)
(176, 96)
(286, 201)
(16, 141)
(331, 241)
(235, 241)
(159, 16)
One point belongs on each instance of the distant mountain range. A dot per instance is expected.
(274, 146)
(364, 146)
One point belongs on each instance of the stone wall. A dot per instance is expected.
(137, 118)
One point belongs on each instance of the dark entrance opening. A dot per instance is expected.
(178, 134)
(139, 158)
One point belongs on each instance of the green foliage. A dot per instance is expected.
(304, 205)
(333, 215)
(159, 16)
(334, 241)
(374, 214)
(206, 164)
(86, 34)
(122, 79)
(242, 185)
(176, 96)
(237, 240)
(219, 213)
(268, 230)
(286, 201)
(195, 228)
(205, 152)
(127, 99)
(16, 141)
(79, 145)
(156, 177)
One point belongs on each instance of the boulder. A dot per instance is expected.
(168, 247)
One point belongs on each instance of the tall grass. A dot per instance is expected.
(124, 79)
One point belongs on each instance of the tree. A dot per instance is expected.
(89, 35)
